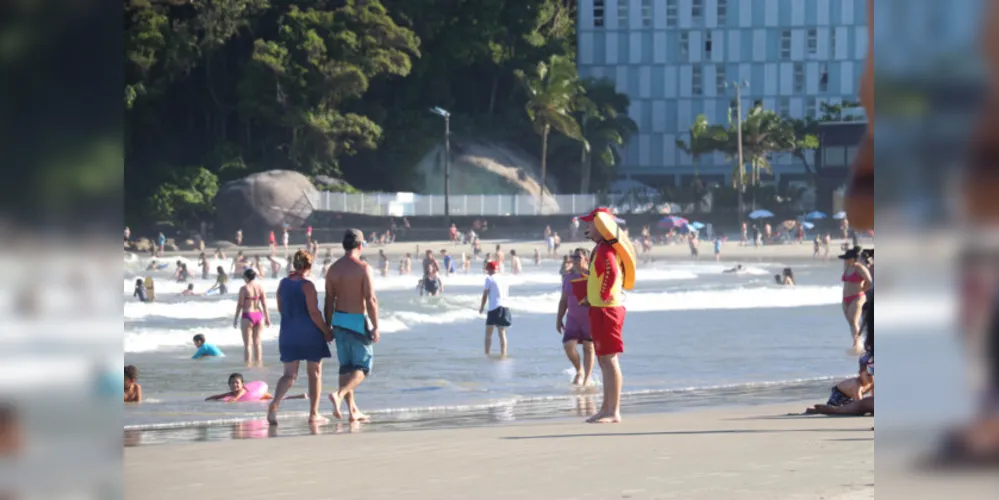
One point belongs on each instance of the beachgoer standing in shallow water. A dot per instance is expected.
(856, 281)
(350, 303)
(576, 328)
(603, 294)
(495, 293)
(252, 316)
(304, 336)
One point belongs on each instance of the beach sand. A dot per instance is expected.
(751, 453)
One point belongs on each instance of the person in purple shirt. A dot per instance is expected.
(573, 320)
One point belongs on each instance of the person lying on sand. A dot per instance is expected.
(855, 408)
(852, 389)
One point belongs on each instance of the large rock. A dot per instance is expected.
(263, 202)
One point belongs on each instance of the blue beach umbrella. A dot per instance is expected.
(839, 215)
(697, 225)
(807, 225)
(760, 214)
(672, 221)
(816, 215)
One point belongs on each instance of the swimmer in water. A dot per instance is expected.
(181, 275)
(786, 278)
(237, 390)
(189, 291)
(205, 268)
(251, 316)
(133, 391)
(140, 291)
(221, 282)
(737, 269)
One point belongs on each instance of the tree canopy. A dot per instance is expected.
(219, 89)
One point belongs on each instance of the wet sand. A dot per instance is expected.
(752, 453)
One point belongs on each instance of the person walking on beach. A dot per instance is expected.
(350, 303)
(252, 316)
(304, 336)
(856, 281)
(495, 293)
(603, 295)
(575, 329)
(239, 237)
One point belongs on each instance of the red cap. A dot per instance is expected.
(491, 265)
(589, 217)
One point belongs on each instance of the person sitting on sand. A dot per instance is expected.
(865, 405)
(852, 389)
(205, 350)
(133, 391)
(237, 390)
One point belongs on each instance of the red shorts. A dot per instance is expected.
(605, 328)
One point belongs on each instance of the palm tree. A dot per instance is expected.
(551, 93)
(806, 138)
(764, 133)
(702, 141)
(602, 113)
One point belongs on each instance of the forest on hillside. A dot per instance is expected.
(219, 89)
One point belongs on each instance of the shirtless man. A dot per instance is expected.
(350, 304)
(383, 262)
(514, 262)
(431, 269)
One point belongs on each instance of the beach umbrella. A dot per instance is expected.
(672, 221)
(760, 214)
(807, 225)
(839, 215)
(816, 215)
(696, 225)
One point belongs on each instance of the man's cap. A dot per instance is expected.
(353, 238)
(491, 265)
(589, 217)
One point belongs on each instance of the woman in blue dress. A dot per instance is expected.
(304, 336)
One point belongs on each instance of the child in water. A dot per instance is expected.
(205, 350)
(133, 391)
(189, 291)
(140, 291)
(237, 390)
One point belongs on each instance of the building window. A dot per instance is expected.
(851, 155)
(799, 77)
(720, 78)
(684, 44)
(785, 45)
(671, 13)
(811, 104)
(707, 43)
(696, 84)
(622, 14)
(834, 156)
(598, 13)
(722, 12)
(824, 79)
(832, 43)
(697, 10)
(646, 13)
(813, 42)
(784, 106)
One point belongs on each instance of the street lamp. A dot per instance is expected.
(437, 110)
(738, 137)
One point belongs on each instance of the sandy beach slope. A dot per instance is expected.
(752, 453)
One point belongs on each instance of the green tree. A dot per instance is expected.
(602, 113)
(806, 140)
(764, 133)
(702, 141)
(188, 197)
(551, 89)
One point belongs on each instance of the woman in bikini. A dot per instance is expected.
(251, 316)
(856, 281)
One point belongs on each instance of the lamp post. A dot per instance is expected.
(738, 135)
(437, 110)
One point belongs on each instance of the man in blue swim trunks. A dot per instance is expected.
(350, 302)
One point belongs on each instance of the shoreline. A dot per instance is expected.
(731, 252)
(722, 452)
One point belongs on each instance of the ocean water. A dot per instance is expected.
(694, 337)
